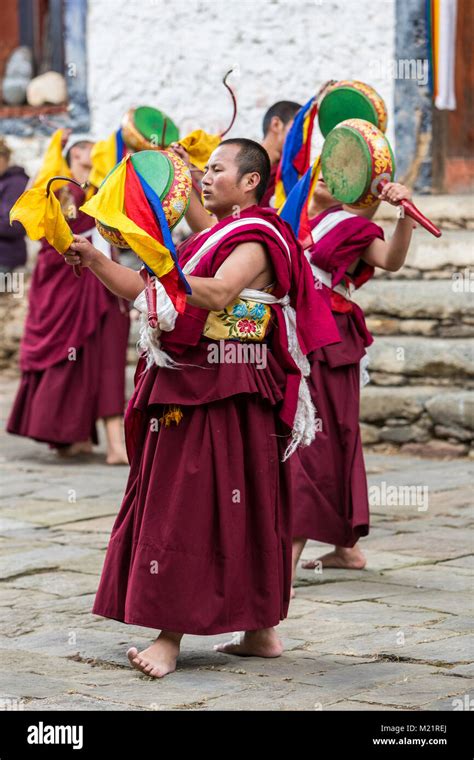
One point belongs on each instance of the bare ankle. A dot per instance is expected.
(171, 636)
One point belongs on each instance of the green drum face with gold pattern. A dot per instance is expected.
(176, 199)
(356, 156)
(351, 99)
(156, 169)
(168, 176)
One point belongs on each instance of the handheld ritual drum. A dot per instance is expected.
(350, 99)
(170, 179)
(356, 157)
(357, 161)
(147, 128)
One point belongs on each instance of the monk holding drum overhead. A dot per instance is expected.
(344, 248)
(331, 499)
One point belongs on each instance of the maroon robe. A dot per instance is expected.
(330, 482)
(202, 541)
(60, 398)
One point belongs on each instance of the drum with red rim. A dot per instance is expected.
(356, 157)
(350, 99)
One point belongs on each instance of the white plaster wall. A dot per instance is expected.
(27, 151)
(174, 54)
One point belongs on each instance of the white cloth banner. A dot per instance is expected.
(446, 96)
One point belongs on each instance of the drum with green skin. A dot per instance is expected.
(156, 169)
(150, 122)
(356, 157)
(349, 99)
(170, 179)
(145, 128)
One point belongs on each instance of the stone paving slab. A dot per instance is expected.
(59, 512)
(412, 693)
(58, 583)
(76, 702)
(444, 543)
(439, 601)
(395, 635)
(35, 560)
(429, 576)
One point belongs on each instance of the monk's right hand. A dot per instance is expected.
(183, 154)
(81, 252)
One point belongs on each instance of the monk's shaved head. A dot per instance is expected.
(251, 157)
(285, 110)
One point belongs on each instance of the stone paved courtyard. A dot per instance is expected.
(396, 635)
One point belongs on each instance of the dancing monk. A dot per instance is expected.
(73, 350)
(330, 482)
(202, 541)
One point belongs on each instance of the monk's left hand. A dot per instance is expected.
(394, 192)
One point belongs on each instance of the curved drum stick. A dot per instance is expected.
(77, 267)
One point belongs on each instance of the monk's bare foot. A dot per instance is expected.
(86, 447)
(292, 593)
(341, 558)
(262, 643)
(159, 659)
(116, 451)
(117, 455)
(80, 447)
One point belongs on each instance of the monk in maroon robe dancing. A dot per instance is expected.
(73, 350)
(330, 482)
(202, 541)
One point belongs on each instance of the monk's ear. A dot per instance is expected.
(252, 180)
(276, 124)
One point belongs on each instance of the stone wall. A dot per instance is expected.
(421, 395)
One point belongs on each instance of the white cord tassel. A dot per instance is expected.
(149, 344)
(304, 425)
(149, 340)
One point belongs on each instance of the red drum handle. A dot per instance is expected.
(412, 211)
(416, 214)
(77, 269)
(150, 295)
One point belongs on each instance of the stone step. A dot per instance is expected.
(414, 416)
(400, 358)
(444, 210)
(453, 251)
(431, 258)
(435, 299)
(450, 406)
